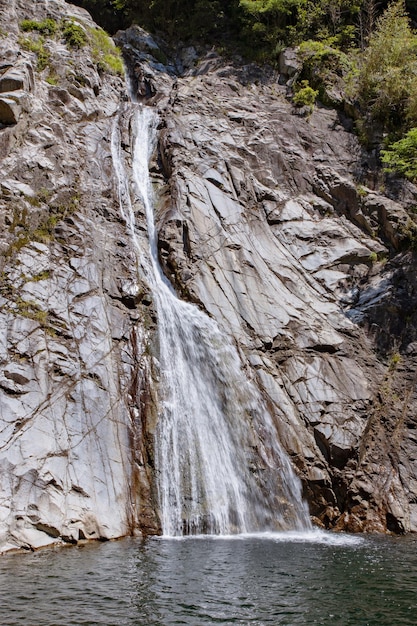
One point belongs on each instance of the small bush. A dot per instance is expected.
(74, 34)
(52, 79)
(44, 233)
(104, 52)
(32, 310)
(361, 191)
(326, 68)
(395, 360)
(47, 27)
(401, 156)
(305, 96)
(322, 59)
(100, 41)
(44, 275)
(36, 46)
(113, 64)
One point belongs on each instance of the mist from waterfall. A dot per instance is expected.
(219, 466)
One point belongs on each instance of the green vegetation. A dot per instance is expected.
(44, 275)
(32, 310)
(41, 197)
(52, 79)
(401, 156)
(36, 46)
(42, 227)
(293, 21)
(26, 308)
(361, 191)
(326, 66)
(47, 27)
(106, 55)
(104, 52)
(74, 34)
(394, 360)
(408, 234)
(305, 96)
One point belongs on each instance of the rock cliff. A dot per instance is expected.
(274, 223)
(72, 353)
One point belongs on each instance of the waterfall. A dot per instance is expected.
(219, 466)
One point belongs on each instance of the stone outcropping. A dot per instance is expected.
(278, 228)
(272, 223)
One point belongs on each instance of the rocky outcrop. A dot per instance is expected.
(272, 223)
(15, 83)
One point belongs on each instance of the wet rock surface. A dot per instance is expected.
(272, 223)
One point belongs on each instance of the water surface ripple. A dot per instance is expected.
(259, 580)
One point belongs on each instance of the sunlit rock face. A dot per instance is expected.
(270, 222)
(72, 318)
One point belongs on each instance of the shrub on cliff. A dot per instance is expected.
(401, 156)
(47, 27)
(328, 69)
(305, 96)
(74, 34)
(104, 52)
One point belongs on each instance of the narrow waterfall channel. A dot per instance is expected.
(219, 466)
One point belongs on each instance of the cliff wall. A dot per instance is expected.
(276, 224)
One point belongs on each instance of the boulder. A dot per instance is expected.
(18, 77)
(10, 110)
(288, 63)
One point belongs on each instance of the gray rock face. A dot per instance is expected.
(261, 223)
(289, 63)
(73, 367)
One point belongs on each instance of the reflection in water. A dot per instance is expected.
(312, 579)
(145, 568)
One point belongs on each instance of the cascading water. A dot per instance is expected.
(219, 467)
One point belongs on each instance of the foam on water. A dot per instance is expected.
(315, 536)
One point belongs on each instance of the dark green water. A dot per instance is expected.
(327, 580)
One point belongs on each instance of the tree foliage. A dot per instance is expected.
(387, 82)
(105, 13)
(296, 20)
(401, 156)
(259, 28)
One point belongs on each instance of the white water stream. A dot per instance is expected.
(219, 466)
